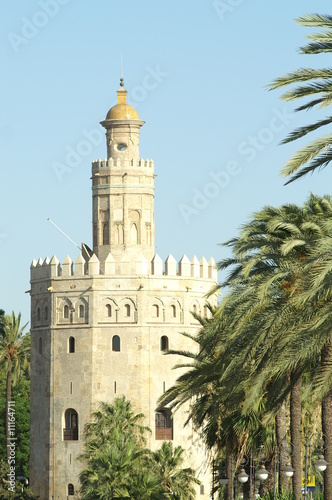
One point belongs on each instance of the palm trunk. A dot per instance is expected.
(230, 474)
(327, 426)
(8, 399)
(281, 434)
(295, 428)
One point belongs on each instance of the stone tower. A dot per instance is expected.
(100, 328)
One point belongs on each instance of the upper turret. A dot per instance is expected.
(122, 125)
(123, 189)
(122, 110)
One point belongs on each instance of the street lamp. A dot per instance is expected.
(288, 471)
(243, 476)
(321, 464)
(262, 473)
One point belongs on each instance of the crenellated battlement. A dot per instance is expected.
(185, 268)
(120, 163)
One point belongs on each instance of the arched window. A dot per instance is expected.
(81, 311)
(106, 233)
(116, 343)
(127, 310)
(70, 489)
(66, 312)
(45, 313)
(38, 313)
(109, 310)
(155, 311)
(173, 311)
(164, 424)
(195, 309)
(40, 345)
(164, 343)
(71, 344)
(70, 432)
(133, 234)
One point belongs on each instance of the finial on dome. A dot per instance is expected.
(121, 79)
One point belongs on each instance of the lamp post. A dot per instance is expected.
(320, 464)
(287, 471)
(219, 476)
(21, 477)
(262, 473)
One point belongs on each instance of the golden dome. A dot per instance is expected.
(122, 110)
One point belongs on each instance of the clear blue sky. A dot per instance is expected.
(196, 73)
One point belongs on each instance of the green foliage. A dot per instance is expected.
(16, 345)
(315, 85)
(117, 464)
(279, 496)
(18, 492)
(178, 483)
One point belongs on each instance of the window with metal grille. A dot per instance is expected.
(70, 432)
(164, 424)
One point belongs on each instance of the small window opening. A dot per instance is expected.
(40, 345)
(38, 313)
(81, 311)
(116, 343)
(71, 344)
(173, 310)
(70, 489)
(127, 310)
(109, 310)
(164, 343)
(155, 311)
(66, 312)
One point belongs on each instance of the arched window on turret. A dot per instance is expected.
(40, 345)
(106, 238)
(108, 310)
(45, 313)
(66, 312)
(116, 343)
(133, 234)
(155, 311)
(173, 311)
(127, 310)
(71, 489)
(81, 311)
(38, 313)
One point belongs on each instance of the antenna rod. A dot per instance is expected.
(66, 235)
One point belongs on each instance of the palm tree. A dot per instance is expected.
(110, 468)
(267, 271)
(118, 415)
(116, 463)
(177, 482)
(318, 90)
(214, 411)
(2, 322)
(14, 353)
